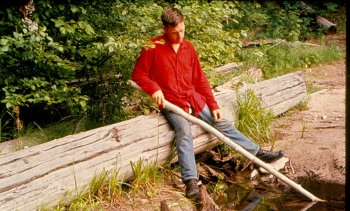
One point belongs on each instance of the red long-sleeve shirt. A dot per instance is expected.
(179, 75)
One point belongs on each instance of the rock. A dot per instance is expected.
(278, 165)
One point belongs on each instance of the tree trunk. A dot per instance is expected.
(57, 171)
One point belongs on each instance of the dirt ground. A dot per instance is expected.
(314, 139)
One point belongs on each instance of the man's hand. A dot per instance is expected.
(217, 115)
(158, 98)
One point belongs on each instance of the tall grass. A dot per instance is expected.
(34, 133)
(253, 120)
(279, 59)
(106, 189)
(145, 177)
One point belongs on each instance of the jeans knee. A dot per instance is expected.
(183, 133)
(224, 124)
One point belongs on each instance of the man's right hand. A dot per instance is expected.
(158, 98)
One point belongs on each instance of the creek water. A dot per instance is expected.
(278, 196)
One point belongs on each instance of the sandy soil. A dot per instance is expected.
(314, 139)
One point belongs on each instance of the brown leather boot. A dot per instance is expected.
(192, 189)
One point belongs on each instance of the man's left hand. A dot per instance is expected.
(217, 115)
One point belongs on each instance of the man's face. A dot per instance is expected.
(176, 33)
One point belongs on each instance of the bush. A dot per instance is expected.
(81, 57)
(79, 60)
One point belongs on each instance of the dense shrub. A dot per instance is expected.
(287, 20)
(79, 60)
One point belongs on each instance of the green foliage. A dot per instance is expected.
(219, 189)
(115, 187)
(98, 181)
(145, 176)
(281, 58)
(283, 23)
(283, 20)
(253, 120)
(334, 12)
(104, 188)
(303, 105)
(24, 57)
(79, 60)
(10, 21)
(203, 23)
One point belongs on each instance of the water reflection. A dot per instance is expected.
(278, 196)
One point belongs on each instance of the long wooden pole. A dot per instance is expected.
(235, 146)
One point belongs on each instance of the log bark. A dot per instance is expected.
(57, 171)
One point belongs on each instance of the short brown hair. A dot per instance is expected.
(172, 16)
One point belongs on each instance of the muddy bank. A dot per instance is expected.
(314, 139)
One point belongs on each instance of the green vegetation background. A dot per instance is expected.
(73, 70)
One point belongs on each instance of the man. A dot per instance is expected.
(169, 68)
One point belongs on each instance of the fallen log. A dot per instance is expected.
(57, 171)
(277, 42)
(331, 28)
(228, 67)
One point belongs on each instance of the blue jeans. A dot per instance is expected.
(184, 142)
